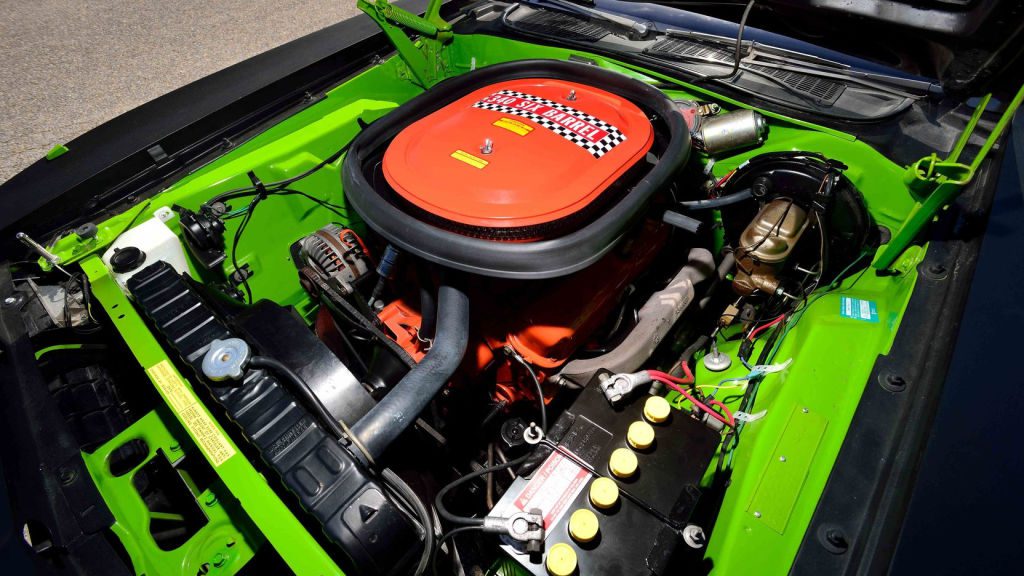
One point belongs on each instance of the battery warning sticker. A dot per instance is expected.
(857, 309)
(553, 488)
(196, 420)
(584, 130)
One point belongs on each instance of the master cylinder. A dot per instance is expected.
(765, 245)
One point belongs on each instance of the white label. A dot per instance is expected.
(553, 487)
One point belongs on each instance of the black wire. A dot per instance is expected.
(243, 275)
(332, 207)
(774, 230)
(336, 427)
(739, 46)
(540, 391)
(407, 495)
(451, 534)
(466, 520)
(249, 190)
(345, 340)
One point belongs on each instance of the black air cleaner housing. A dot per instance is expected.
(465, 208)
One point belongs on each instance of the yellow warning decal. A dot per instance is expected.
(516, 126)
(474, 161)
(186, 405)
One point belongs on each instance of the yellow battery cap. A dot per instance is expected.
(640, 435)
(561, 560)
(623, 463)
(604, 493)
(583, 525)
(657, 409)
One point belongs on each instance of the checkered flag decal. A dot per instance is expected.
(612, 138)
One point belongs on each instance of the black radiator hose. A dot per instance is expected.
(400, 407)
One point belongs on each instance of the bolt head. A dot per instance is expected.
(10, 300)
(757, 514)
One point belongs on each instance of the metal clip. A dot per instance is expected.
(522, 526)
(618, 386)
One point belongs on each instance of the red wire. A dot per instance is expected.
(764, 327)
(725, 411)
(724, 179)
(727, 419)
(686, 371)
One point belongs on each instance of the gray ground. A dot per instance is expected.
(69, 65)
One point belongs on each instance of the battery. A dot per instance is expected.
(641, 533)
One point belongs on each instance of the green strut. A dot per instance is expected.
(935, 183)
(425, 58)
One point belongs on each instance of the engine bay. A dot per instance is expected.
(517, 322)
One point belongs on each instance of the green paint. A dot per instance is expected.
(965, 136)
(266, 510)
(43, 351)
(425, 59)
(935, 184)
(832, 356)
(228, 534)
(56, 152)
(787, 468)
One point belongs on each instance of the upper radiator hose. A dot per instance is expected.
(392, 415)
(657, 316)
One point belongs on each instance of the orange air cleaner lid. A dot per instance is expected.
(517, 154)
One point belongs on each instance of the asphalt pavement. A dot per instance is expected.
(67, 66)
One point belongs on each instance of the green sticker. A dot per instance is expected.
(857, 309)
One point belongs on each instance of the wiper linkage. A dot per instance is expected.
(633, 29)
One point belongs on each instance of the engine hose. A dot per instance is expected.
(400, 408)
(724, 267)
(657, 316)
(428, 306)
(720, 202)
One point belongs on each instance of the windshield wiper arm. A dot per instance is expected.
(634, 29)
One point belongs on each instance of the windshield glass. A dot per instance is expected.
(706, 50)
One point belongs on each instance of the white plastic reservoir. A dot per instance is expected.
(155, 240)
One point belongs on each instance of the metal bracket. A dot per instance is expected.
(935, 183)
(618, 386)
(425, 57)
(522, 526)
